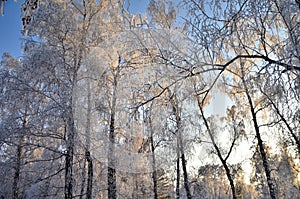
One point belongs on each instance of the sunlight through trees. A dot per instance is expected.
(105, 103)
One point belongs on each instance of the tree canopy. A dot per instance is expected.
(105, 103)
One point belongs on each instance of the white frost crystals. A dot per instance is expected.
(132, 54)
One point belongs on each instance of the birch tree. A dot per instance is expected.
(63, 31)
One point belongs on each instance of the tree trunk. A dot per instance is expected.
(185, 177)
(90, 176)
(154, 173)
(69, 156)
(183, 160)
(83, 174)
(20, 149)
(89, 189)
(70, 117)
(223, 161)
(180, 145)
(18, 169)
(111, 175)
(88, 143)
(178, 175)
(184, 169)
(260, 141)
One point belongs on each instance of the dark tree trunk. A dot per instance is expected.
(178, 176)
(185, 177)
(180, 147)
(88, 143)
(89, 187)
(183, 163)
(20, 149)
(178, 170)
(223, 161)
(18, 169)
(69, 156)
(229, 177)
(260, 141)
(90, 176)
(70, 138)
(154, 173)
(111, 175)
(83, 175)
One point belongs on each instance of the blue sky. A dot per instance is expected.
(10, 29)
(11, 25)
(138, 6)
